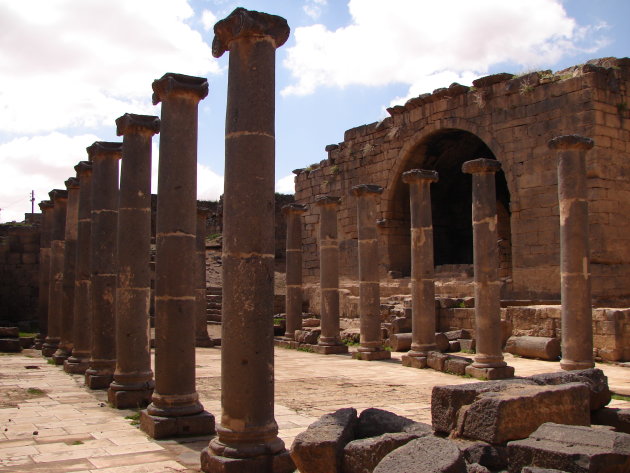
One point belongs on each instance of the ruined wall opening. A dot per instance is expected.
(451, 198)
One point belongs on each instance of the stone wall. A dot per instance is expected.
(510, 119)
(19, 274)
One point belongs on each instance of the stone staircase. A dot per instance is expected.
(214, 300)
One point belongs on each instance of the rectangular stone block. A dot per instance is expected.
(418, 362)
(500, 372)
(457, 364)
(436, 360)
(10, 345)
(330, 349)
(279, 463)
(164, 427)
(372, 355)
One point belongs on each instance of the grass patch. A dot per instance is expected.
(77, 442)
(35, 391)
(350, 343)
(620, 397)
(27, 334)
(306, 349)
(134, 418)
(50, 361)
(470, 352)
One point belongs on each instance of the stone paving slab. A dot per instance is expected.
(49, 422)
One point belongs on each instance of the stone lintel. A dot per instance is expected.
(294, 208)
(179, 85)
(365, 189)
(72, 183)
(501, 372)
(481, 165)
(570, 142)
(132, 123)
(242, 23)
(46, 205)
(322, 200)
(414, 175)
(105, 149)
(83, 167)
(58, 194)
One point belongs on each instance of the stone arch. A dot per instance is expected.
(444, 149)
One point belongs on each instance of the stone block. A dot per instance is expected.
(426, 454)
(500, 372)
(436, 360)
(453, 345)
(571, 448)
(418, 362)
(467, 345)
(614, 417)
(10, 345)
(516, 412)
(330, 349)
(278, 463)
(493, 457)
(543, 348)
(442, 343)
(362, 455)
(9, 332)
(319, 449)
(27, 342)
(457, 364)
(373, 422)
(455, 335)
(594, 378)
(164, 427)
(372, 355)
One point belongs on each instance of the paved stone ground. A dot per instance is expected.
(49, 422)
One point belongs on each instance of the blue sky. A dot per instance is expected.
(69, 68)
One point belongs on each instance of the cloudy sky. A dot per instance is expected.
(69, 68)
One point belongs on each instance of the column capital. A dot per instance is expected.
(481, 166)
(58, 194)
(46, 205)
(322, 200)
(570, 142)
(72, 183)
(294, 209)
(138, 124)
(242, 23)
(414, 175)
(105, 149)
(365, 189)
(179, 85)
(83, 167)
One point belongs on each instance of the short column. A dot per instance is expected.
(46, 206)
(55, 289)
(78, 361)
(575, 285)
(423, 325)
(69, 273)
(201, 304)
(293, 303)
(489, 363)
(248, 435)
(329, 341)
(133, 377)
(175, 408)
(104, 156)
(371, 343)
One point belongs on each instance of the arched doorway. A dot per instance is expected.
(451, 199)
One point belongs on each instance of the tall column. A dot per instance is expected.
(201, 305)
(133, 377)
(293, 213)
(104, 156)
(329, 341)
(46, 206)
(371, 346)
(575, 285)
(69, 272)
(488, 362)
(248, 436)
(423, 325)
(175, 408)
(78, 362)
(55, 294)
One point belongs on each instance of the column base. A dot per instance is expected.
(50, 347)
(75, 365)
(570, 365)
(285, 343)
(372, 355)
(122, 398)
(330, 349)
(499, 372)
(278, 463)
(59, 357)
(163, 427)
(204, 342)
(98, 380)
(419, 362)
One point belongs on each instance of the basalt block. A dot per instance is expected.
(426, 454)
(594, 378)
(571, 448)
(493, 457)
(374, 422)
(10, 345)
(9, 332)
(362, 455)
(319, 449)
(619, 419)
(543, 348)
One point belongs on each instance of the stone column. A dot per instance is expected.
(104, 157)
(133, 377)
(201, 305)
(248, 436)
(293, 213)
(175, 408)
(577, 313)
(489, 363)
(329, 341)
(423, 326)
(78, 362)
(371, 346)
(46, 206)
(55, 294)
(69, 272)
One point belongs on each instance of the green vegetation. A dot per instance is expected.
(50, 361)
(35, 391)
(350, 343)
(306, 349)
(470, 352)
(77, 442)
(620, 397)
(134, 418)
(27, 334)
(334, 169)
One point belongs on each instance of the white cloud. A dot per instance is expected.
(209, 183)
(208, 19)
(286, 184)
(313, 8)
(409, 41)
(82, 64)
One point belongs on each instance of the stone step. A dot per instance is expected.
(214, 298)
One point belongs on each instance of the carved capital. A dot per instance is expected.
(570, 142)
(179, 85)
(242, 23)
(83, 167)
(58, 194)
(414, 175)
(46, 205)
(481, 166)
(322, 200)
(365, 189)
(132, 123)
(72, 183)
(104, 149)
(294, 209)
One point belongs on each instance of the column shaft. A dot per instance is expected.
(46, 207)
(201, 305)
(293, 213)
